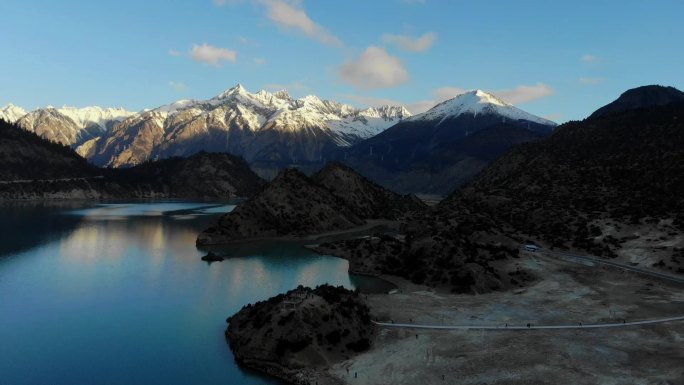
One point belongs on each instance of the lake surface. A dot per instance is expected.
(117, 293)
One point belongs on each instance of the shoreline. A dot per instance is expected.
(370, 226)
(571, 293)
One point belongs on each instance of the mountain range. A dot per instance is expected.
(460, 135)
(263, 127)
(433, 152)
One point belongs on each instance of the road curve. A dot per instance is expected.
(531, 327)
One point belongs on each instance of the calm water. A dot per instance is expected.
(117, 293)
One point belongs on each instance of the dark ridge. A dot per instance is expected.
(641, 97)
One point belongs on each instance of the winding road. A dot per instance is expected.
(531, 327)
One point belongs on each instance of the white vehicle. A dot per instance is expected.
(532, 248)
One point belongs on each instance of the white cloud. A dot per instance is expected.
(591, 81)
(178, 87)
(212, 55)
(375, 68)
(523, 94)
(411, 44)
(290, 15)
(588, 58)
(259, 61)
(173, 52)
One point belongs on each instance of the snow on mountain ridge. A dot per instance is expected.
(280, 111)
(477, 102)
(12, 113)
(88, 116)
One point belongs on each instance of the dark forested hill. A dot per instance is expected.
(34, 168)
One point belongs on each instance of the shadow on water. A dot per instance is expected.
(285, 252)
(26, 225)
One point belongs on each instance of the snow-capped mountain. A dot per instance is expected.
(477, 102)
(72, 126)
(11, 113)
(266, 127)
(442, 148)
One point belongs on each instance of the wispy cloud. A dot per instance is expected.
(588, 58)
(554, 117)
(290, 15)
(523, 94)
(221, 3)
(293, 86)
(246, 41)
(259, 61)
(173, 52)
(591, 81)
(178, 87)
(375, 68)
(411, 44)
(212, 55)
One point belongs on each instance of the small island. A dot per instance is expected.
(297, 335)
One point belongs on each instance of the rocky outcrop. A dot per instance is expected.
(291, 205)
(300, 331)
(365, 198)
(294, 205)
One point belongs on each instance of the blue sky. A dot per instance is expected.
(557, 59)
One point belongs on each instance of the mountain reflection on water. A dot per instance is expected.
(117, 293)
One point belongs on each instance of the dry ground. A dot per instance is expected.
(570, 293)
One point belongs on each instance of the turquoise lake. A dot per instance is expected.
(117, 294)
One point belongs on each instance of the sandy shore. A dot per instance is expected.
(570, 293)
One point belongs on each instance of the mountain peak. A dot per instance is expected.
(479, 96)
(477, 102)
(11, 113)
(640, 97)
(282, 94)
(238, 89)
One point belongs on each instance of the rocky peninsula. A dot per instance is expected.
(294, 335)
